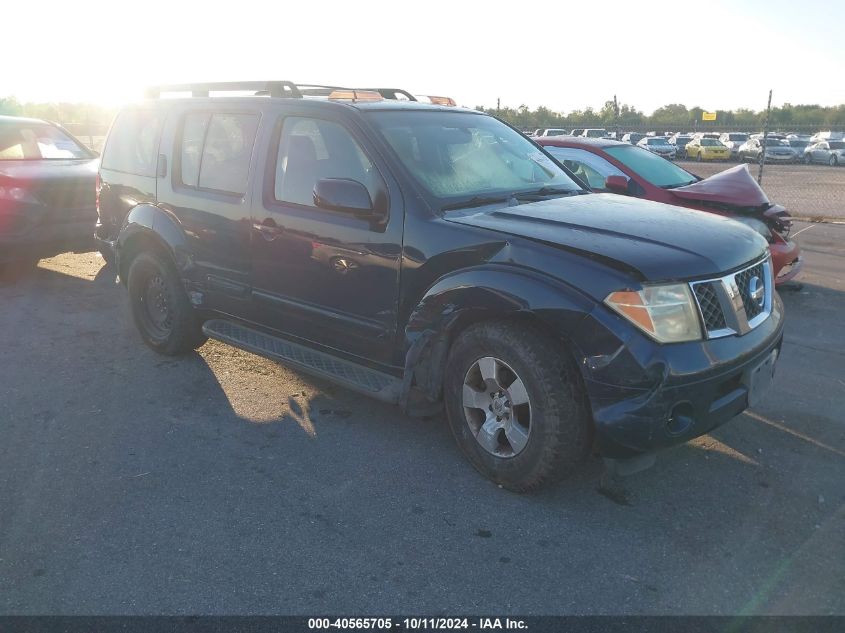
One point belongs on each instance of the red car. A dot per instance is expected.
(615, 167)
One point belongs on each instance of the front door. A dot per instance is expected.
(326, 276)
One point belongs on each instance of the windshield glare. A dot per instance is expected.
(656, 170)
(37, 141)
(456, 156)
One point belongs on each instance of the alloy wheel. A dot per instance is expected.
(497, 408)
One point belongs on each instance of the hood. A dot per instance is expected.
(735, 186)
(659, 241)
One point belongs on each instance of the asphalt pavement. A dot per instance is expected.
(223, 483)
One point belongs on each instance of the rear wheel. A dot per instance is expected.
(516, 405)
(833, 162)
(698, 157)
(160, 306)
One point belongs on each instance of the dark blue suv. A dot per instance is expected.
(435, 257)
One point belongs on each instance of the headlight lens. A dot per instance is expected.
(665, 312)
(758, 225)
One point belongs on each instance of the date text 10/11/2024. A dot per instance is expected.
(431, 624)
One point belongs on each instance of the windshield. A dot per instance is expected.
(737, 137)
(711, 142)
(798, 144)
(775, 142)
(22, 140)
(596, 133)
(836, 144)
(656, 170)
(657, 141)
(456, 156)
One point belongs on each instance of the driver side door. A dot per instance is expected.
(329, 277)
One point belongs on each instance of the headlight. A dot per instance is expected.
(665, 312)
(758, 225)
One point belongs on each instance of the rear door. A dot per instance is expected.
(325, 276)
(207, 189)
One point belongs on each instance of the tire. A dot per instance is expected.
(698, 157)
(833, 162)
(160, 306)
(538, 441)
(807, 159)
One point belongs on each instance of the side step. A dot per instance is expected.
(343, 372)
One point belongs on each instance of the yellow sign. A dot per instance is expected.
(708, 116)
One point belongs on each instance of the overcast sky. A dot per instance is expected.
(560, 54)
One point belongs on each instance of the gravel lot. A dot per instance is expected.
(807, 191)
(222, 483)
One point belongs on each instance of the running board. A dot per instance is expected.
(343, 372)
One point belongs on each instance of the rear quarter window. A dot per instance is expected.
(132, 146)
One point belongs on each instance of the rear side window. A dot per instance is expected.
(216, 149)
(133, 143)
(312, 149)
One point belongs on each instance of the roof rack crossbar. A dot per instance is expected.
(272, 88)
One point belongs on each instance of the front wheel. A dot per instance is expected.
(160, 306)
(516, 405)
(833, 162)
(698, 157)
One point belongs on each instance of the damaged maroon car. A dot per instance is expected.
(616, 167)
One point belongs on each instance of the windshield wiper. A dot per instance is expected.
(682, 184)
(475, 201)
(549, 191)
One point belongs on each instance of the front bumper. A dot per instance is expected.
(46, 240)
(650, 396)
(786, 261)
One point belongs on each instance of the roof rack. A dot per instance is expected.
(268, 88)
(271, 89)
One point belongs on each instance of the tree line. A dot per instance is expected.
(674, 115)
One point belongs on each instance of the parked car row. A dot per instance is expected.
(436, 258)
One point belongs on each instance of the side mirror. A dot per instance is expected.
(345, 195)
(617, 183)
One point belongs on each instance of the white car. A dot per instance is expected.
(553, 131)
(659, 145)
(733, 141)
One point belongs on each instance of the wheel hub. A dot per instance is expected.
(496, 407)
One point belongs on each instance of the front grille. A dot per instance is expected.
(743, 279)
(726, 304)
(711, 311)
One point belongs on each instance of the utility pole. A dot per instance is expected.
(498, 104)
(616, 117)
(765, 135)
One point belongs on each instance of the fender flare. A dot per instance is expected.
(481, 293)
(149, 222)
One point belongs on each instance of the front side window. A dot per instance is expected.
(653, 168)
(459, 155)
(589, 167)
(313, 149)
(132, 146)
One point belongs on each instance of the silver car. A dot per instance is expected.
(658, 145)
(830, 152)
(777, 150)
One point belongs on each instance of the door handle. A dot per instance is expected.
(269, 229)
